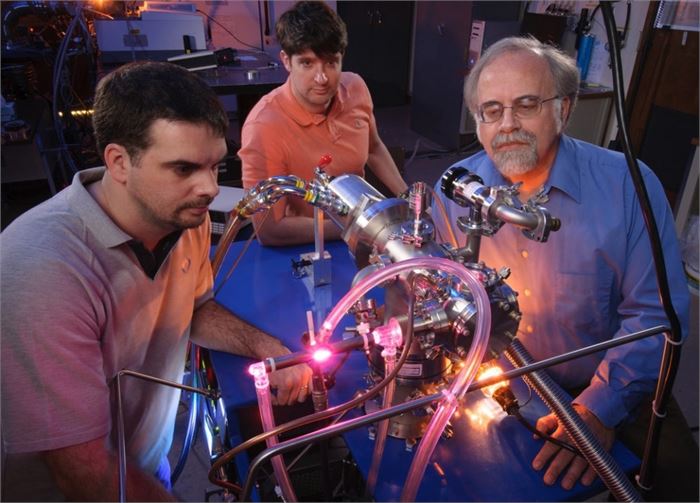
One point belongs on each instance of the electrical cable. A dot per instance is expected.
(261, 50)
(623, 38)
(542, 435)
(671, 354)
(332, 372)
(505, 397)
(318, 416)
(529, 396)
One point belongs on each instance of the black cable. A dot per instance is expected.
(672, 351)
(332, 372)
(643, 196)
(505, 397)
(623, 37)
(230, 32)
(542, 435)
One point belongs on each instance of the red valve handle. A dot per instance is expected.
(325, 160)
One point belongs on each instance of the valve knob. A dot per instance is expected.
(325, 160)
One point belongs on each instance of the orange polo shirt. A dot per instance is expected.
(280, 137)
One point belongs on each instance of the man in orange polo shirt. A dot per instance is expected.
(318, 110)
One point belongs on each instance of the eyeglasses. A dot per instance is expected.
(523, 107)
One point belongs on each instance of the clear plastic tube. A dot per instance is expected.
(262, 390)
(463, 378)
(382, 428)
(459, 385)
(382, 275)
(390, 337)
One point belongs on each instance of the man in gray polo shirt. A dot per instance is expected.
(113, 273)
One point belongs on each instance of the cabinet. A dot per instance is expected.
(442, 39)
(379, 47)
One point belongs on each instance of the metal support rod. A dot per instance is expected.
(121, 435)
(121, 442)
(318, 232)
(402, 408)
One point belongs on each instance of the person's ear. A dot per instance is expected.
(286, 60)
(117, 162)
(565, 110)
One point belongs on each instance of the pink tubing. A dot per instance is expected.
(383, 274)
(463, 378)
(262, 390)
(390, 337)
(452, 396)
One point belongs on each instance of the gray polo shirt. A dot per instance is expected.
(77, 308)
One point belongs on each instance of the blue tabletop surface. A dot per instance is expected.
(487, 459)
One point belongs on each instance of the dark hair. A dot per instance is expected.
(311, 25)
(132, 97)
(562, 67)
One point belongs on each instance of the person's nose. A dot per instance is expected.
(320, 77)
(509, 122)
(207, 183)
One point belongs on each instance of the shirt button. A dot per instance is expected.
(524, 253)
(527, 292)
(529, 329)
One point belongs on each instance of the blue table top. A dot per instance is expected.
(487, 459)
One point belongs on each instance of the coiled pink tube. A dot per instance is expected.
(452, 396)
(463, 378)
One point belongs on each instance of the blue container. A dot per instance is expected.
(585, 49)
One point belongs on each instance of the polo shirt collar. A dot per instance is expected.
(152, 260)
(566, 174)
(301, 115)
(96, 220)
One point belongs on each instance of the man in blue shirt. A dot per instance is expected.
(594, 279)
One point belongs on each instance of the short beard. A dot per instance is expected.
(515, 162)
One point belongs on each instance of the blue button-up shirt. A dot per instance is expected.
(593, 279)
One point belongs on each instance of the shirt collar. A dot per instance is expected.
(96, 220)
(152, 260)
(565, 174)
(301, 115)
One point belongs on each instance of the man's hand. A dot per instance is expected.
(215, 327)
(559, 459)
(292, 383)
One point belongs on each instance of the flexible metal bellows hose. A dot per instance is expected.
(552, 394)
